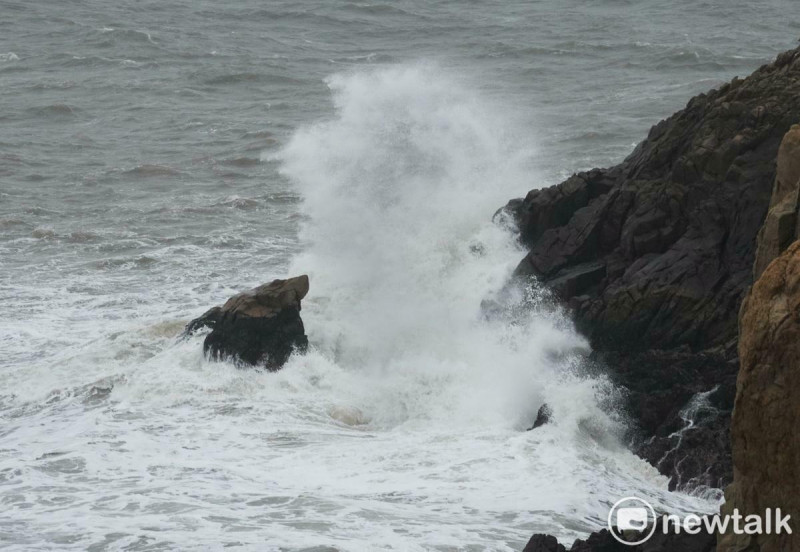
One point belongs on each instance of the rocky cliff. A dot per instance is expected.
(654, 256)
(766, 446)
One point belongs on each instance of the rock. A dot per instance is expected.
(604, 541)
(542, 416)
(689, 444)
(655, 254)
(543, 543)
(766, 448)
(259, 327)
(781, 225)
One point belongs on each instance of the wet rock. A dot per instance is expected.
(259, 327)
(604, 541)
(691, 445)
(543, 543)
(654, 255)
(542, 416)
(766, 448)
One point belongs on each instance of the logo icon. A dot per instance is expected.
(632, 514)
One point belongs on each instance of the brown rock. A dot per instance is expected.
(268, 299)
(259, 327)
(781, 225)
(764, 429)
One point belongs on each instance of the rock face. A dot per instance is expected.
(654, 256)
(764, 432)
(260, 327)
(781, 225)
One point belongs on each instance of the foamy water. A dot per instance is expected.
(155, 160)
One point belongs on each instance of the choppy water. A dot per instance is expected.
(157, 157)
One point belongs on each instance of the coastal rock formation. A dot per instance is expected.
(259, 327)
(781, 225)
(654, 256)
(766, 447)
(604, 541)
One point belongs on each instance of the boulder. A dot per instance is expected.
(259, 327)
(766, 447)
(654, 256)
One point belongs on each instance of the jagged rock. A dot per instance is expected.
(259, 327)
(542, 416)
(766, 447)
(781, 225)
(654, 255)
(604, 541)
(543, 543)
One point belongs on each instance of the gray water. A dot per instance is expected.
(157, 157)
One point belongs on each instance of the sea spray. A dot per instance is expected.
(399, 190)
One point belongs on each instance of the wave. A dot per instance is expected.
(399, 190)
(250, 77)
(150, 171)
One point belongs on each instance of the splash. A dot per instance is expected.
(399, 190)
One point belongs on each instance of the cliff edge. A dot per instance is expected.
(654, 256)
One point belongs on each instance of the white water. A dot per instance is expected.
(133, 439)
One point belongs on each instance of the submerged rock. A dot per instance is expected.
(655, 254)
(259, 327)
(766, 447)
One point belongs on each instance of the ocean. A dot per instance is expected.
(158, 157)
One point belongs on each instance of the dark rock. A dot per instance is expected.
(260, 327)
(542, 416)
(600, 541)
(682, 401)
(682, 542)
(655, 254)
(604, 541)
(543, 543)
